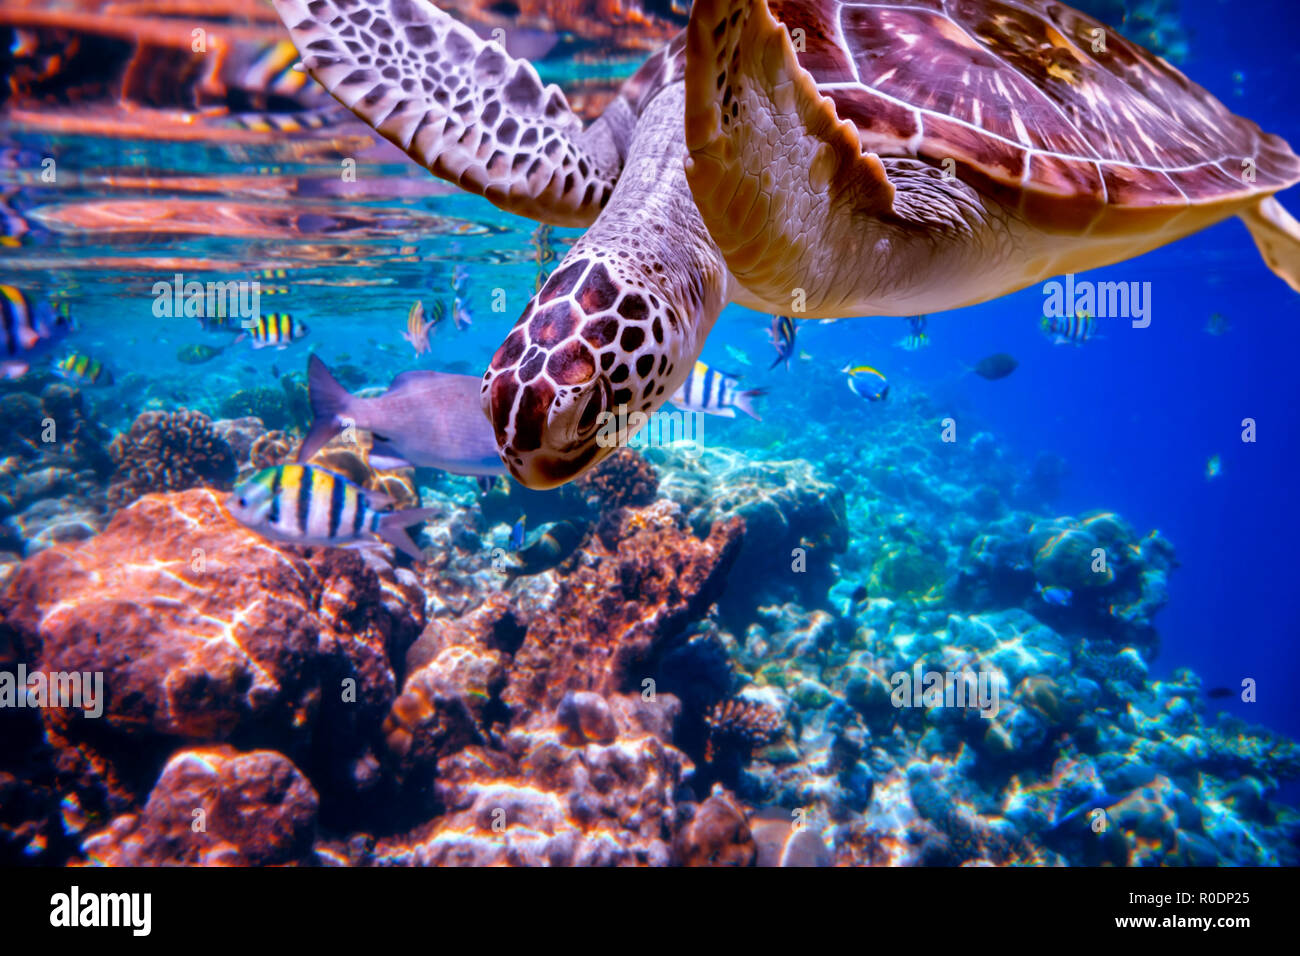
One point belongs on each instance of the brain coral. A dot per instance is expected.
(168, 451)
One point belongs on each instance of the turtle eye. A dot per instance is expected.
(591, 411)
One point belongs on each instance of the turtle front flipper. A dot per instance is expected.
(769, 157)
(458, 105)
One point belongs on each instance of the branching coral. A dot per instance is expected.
(168, 451)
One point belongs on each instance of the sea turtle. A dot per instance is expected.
(820, 158)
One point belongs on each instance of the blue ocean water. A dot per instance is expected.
(1135, 415)
(1138, 413)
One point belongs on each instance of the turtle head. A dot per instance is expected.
(593, 349)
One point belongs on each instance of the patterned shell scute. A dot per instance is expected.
(1035, 104)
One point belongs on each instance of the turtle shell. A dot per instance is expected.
(1036, 105)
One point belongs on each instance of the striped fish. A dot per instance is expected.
(277, 330)
(1069, 329)
(782, 333)
(268, 281)
(713, 392)
(417, 328)
(274, 72)
(916, 337)
(82, 370)
(27, 330)
(306, 505)
(281, 122)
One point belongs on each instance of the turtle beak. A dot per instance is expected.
(542, 472)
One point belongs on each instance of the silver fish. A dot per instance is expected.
(426, 419)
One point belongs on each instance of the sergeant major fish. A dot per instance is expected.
(1069, 329)
(306, 505)
(916, 337)
(82, 370)
(278, 330)
(715, 393)
(426, 419)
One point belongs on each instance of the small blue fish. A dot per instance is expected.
(1052, 594)
(782, 333)
(1216, 324)
(517, 533)
(867, 383)
(738, 355)
(1213, 467)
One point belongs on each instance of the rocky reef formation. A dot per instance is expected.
(689, 662)
(204, 634)
(53, 458)
(794, 519)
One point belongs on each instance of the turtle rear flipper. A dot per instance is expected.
(459, 105)
(1277, 235)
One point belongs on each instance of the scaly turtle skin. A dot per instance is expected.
(825, 159)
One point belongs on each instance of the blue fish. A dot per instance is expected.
(517, 533)
(1052, 594)
(867, 383)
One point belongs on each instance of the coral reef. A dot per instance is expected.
(742, 724)
(794, 520)
(169, 451)
(273, 448)
(216, 807)
(205, 633)
(53, 458)
(269, 405)
(690, 663)
(242, 435)
(624, 479)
